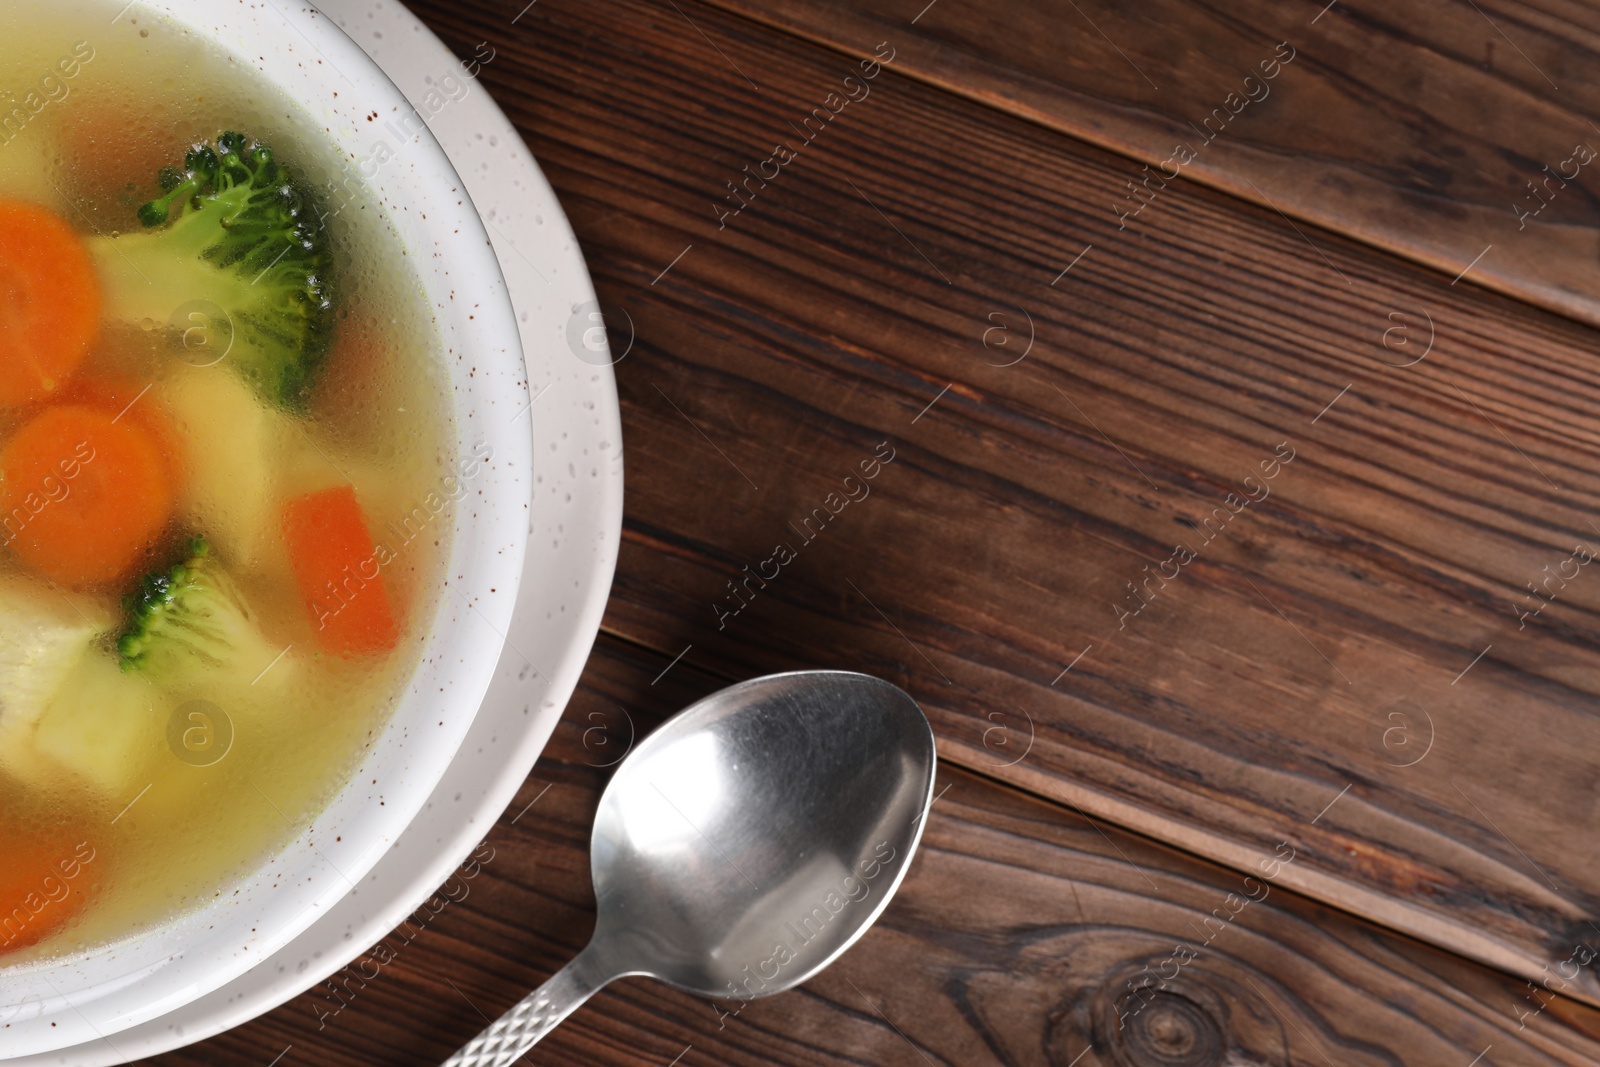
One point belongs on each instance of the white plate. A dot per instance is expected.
(574, 534)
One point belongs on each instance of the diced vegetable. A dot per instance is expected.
(104, 726)
(64, 706)
(237, 229)
(83, 494)
(189, 623)
(233, 445)
(337, 568)
(42, 638)
(49, 303)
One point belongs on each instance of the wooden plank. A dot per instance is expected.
(1422, 129)
(1352, 637)
(1023, 935)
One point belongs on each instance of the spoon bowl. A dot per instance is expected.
(744, 845)
(754, 837)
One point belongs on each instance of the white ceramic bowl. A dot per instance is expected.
(61, 1003)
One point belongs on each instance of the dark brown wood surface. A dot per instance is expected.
(1023, 935)
(1352, 639)
(1414, 126)
(1383, 654)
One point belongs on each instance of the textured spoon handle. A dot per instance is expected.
(538, 1013)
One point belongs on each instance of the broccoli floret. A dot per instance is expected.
(190, 621)
(234, 228)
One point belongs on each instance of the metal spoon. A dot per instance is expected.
(743, 846)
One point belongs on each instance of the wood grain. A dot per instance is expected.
(1412, 126)
(1343, 666)
(1023, 935)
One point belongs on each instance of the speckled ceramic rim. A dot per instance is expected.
(94, 996)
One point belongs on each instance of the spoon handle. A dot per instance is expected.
(538, 1013)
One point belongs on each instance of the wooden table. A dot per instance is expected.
(1226, 381)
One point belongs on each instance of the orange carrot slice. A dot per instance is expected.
(336, 566)
(42, 884)
(49, 303)
(84, 493)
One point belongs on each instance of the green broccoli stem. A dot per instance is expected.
(155, 212)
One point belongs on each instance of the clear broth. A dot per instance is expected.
(378, 417)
